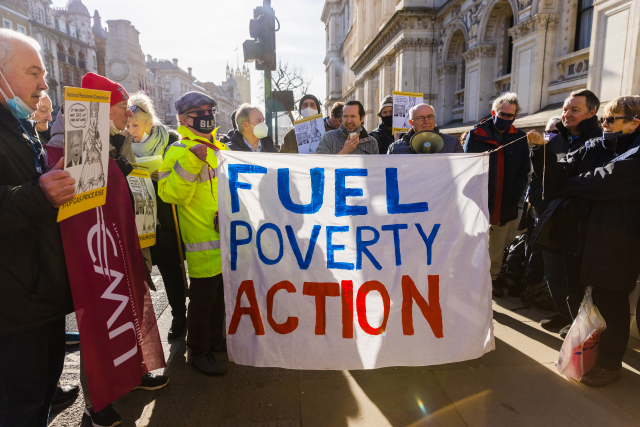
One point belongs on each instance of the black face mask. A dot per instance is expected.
(387, 121)
(204, 123)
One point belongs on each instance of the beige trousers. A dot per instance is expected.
(500, 236)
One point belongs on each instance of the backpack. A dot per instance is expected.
(514, 261)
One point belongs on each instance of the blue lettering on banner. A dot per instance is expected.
(361, 247)
(303, 263)
(261, 255)
(429, 240)
(317, 192)
(342, 192)
(331, 248)
(393, 197)
(396, 238)
(234, 170)
(235, 242)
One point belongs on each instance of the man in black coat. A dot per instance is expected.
(594, 222)
(252, 132)
(35, 294)
(382, 133)
(508, 175)
(579, 124)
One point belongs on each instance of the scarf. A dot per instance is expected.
(360, 129)
(154, 145)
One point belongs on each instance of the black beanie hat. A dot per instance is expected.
(312, 98)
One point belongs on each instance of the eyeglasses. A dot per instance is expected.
(133, 109)
(610, 120)
(201, 113)
(506, 115)
(423, 118)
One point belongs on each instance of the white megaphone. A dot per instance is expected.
(427, 142)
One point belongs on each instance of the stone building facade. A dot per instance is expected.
(14, 15)
(67, 43)
(242, 79)
(228, 98)
(461, 54)
(175, 82)
(125, 62)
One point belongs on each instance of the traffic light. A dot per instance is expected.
(262, 48)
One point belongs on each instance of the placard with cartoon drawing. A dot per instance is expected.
(308, 133)
(144, 206)
(86, 153)
(402, 103)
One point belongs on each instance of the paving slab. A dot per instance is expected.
(394, 399)
(528, 396)
(514, 308)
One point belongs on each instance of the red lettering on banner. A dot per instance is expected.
(292, 322)
(321, 291)
(253, 311)
(431, 310)
(361, 305)
(347, 309)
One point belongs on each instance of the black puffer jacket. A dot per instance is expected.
(562, 144)
(383, 135)
(597, 213)
(34, 285)
(166, 247)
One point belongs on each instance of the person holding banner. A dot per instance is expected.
(383, 133)
(151, 138)
(252, 132)
(33, 301)
(351, 137)
(594, 223)
(188, 179)
(308, 106)
(508, 175)
(423, 117)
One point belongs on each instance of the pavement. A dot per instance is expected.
(517, 384)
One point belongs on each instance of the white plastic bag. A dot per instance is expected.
(579, 351)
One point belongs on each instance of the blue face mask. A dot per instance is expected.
(18, 108)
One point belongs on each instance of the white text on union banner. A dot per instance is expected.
(355, 262)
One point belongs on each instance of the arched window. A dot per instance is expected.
(583, 24)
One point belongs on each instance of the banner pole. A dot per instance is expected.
(184, 272)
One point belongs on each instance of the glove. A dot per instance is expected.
(124, 164)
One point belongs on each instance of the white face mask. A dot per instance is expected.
(145, 136)
(261, 130)
(308, 112)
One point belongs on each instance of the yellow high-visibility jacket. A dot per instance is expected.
(183, 180)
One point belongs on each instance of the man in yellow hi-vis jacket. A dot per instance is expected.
(188, 179)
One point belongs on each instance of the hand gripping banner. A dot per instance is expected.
(118, 331)
(355, 262)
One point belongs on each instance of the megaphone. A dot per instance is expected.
(427, 142)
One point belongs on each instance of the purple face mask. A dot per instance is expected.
(548, 136)
(502, 124)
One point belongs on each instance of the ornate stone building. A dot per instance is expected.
(175, 82)
(125, 61)
(242, 80)
(67, 43)
(461, 54)
(14, 15)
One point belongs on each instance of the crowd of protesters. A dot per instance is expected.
(576, 187)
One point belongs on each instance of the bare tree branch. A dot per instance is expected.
(288, 77)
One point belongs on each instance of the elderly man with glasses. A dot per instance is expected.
(423, 117)
(508, 175)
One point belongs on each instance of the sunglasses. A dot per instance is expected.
(201, 113)
(555, 132)
(610, 120)
(133, 109)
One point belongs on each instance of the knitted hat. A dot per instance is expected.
(98, 82)
(387, 102)
(304, 98)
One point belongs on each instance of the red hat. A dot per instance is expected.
(98, 82)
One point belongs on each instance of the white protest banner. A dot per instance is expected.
(144, 206)
(402, 103)
(355, 262)
(308, 133)
(86, 124)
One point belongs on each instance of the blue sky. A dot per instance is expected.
(203, 34)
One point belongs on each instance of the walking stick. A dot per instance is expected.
(184, 272)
